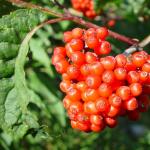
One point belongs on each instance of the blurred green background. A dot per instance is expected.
(54, 131)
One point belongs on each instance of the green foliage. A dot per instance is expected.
(31, 112)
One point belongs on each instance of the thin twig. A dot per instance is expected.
(75, 19)
(138, 47)
(145, 42)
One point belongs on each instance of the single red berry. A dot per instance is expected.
(102, 104)
(108, 62)
(102, 33)
(96, 68)
(60, 50)
(92, 42)
(146, 67)
(138, 59)
(93, 81)
(77, 33)
(113, 111)
(91, 57)
(136, 89)
(124, 92)
(131, 104)
(85, 69)
(105, 90)
(76, 44)
(81, 86)
(111, 122)
(67, 36)
(121, 60)
(74, 94)
(90, 108)
(61, 66)
(133, 77)
(73, 72)
(96, 119)
(78, 58)
(115, 100)
(57, 58)
(108, 76)
(90, 95)
(76, 107)
(120, 73)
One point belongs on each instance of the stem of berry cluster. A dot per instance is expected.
(68, 16)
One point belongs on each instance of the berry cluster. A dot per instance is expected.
(100, 89)
(85, 6)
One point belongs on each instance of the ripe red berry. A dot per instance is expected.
(108, 76)
(93, 81)
(61, 66)
(73, 72)
(131, 104)
(67, 36)
(76, 107)
(136, 89)
(77, 33)
(111, 122)
(60, 50)
(57, 58)
(146, 67)
(121, 60)
(115, 100)
(76, 44)
(96, 119)
(105, 90)
(74, 94)
(90, 95)
(92, 42)
(90, 108)
(102, 33)
(113, 111)
(133, 77)
(78, 58)
(102, 104)
(138, 59)
(96, 68)
(120, 73)
(91, 57)
(124, 92)
(108, 62)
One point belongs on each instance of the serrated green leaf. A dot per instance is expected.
(15, 96)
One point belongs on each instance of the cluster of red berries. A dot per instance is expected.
(99, 89)
(85, 6)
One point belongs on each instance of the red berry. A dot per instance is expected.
(93, 81)
(115, 100)
(108, 62)
(78, 58)
(105, 90)
(136, 89)
(102, 33)
(102, 104)
(124, 92)
(76, 44)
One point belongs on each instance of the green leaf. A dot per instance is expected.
(99, 4)
(15, 117)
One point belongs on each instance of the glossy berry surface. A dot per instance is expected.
(99, 89)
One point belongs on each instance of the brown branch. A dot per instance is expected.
(74, 19)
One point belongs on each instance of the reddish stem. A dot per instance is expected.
(75, 19)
